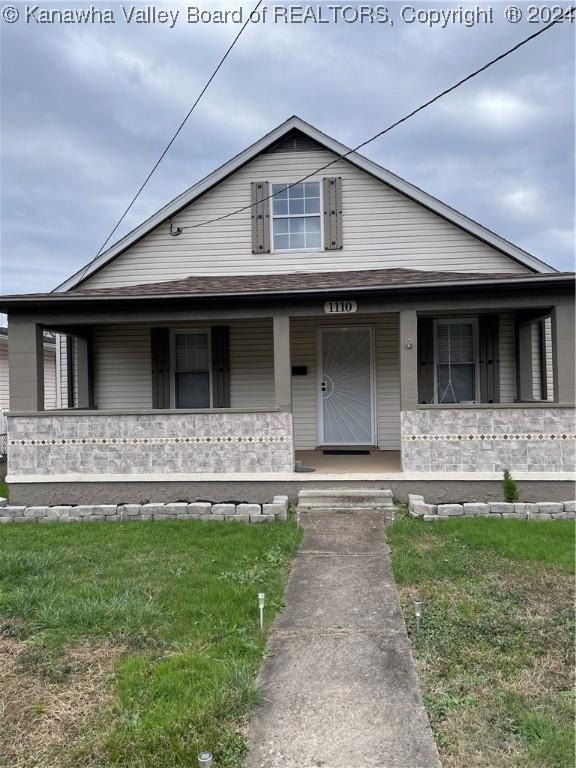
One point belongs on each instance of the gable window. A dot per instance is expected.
(456, 377)
(191, 356)
(296, 219)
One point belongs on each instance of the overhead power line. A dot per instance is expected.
(390, 127)
(177, 132)
(342, 156)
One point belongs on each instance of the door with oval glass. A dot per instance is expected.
(346, 386)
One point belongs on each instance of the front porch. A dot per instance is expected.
(402, 389)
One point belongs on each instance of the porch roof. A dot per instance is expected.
(295, 284)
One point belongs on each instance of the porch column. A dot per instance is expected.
(25, 364)
(408, 359)
(282, 367)
(563, 354)
(524, 365)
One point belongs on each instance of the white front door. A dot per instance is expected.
(346, 386)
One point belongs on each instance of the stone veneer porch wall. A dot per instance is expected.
(89, 444)
(488, 440)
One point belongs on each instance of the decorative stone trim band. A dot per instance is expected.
(504, 437)
(544, 510)
(151, 440)
(113, 513)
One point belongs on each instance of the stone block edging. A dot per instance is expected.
(544, 510)
(112, 513)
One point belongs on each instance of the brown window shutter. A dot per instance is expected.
(425, 360)
(489, 358)
(332, 197)
(220, 335)
(260, 217)
(160, 347)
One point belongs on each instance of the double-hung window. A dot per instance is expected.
(456, 361)
(191, 369)
(296, 219)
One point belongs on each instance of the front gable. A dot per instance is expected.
(385, 223)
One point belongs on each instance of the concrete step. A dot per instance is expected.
(347, 509)
(309, 493)
(345, 498)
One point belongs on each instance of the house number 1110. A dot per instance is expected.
(340, 307)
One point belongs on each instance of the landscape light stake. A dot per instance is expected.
(204, 759)
(418, 603)
(261, 599)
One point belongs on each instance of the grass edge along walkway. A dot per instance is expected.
(164, 613)
(495, 652)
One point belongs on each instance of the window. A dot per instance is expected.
(191, 369)
(455, 361)
(296, 222)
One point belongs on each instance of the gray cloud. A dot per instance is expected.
(86, 111)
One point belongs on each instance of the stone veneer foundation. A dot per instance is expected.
(489, 440)
(81, 444)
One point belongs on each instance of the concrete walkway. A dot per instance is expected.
(339, 685)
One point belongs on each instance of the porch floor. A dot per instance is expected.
(375, 461)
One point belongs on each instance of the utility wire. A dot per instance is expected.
(393, 125)
(346, 154)
(172, 140)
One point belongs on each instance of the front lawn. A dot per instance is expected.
(495, 653)
(133, 644)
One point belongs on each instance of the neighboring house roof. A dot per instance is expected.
(296, 284)
(267, 142)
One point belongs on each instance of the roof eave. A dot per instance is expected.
(76, 299)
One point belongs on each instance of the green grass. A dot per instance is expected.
(3, 489)
(175, 605)
(495, 652)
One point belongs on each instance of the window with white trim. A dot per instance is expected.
(456, 361)
(191, 369)
(296, 216)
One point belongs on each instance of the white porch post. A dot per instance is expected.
(282, 367)
(408, 359)
(25, 364)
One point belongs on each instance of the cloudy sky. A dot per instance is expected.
(86, 110)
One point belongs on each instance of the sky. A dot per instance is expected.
(86, 110)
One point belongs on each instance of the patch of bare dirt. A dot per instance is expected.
(48, 704)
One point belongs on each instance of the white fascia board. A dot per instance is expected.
(394, 181)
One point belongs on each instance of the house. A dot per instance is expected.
(50, 386)
(260, 333)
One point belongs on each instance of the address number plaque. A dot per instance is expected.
(344, 307)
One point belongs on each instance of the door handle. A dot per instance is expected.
(323, 386)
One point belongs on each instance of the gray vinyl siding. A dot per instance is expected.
(61, 366)
(122, 367)
(536, 362)
(122, 363)
(4, 392)
(507, 358)
(50, 401)
(251, 364)
(549, 362)
(304, 388)
(381, 229)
